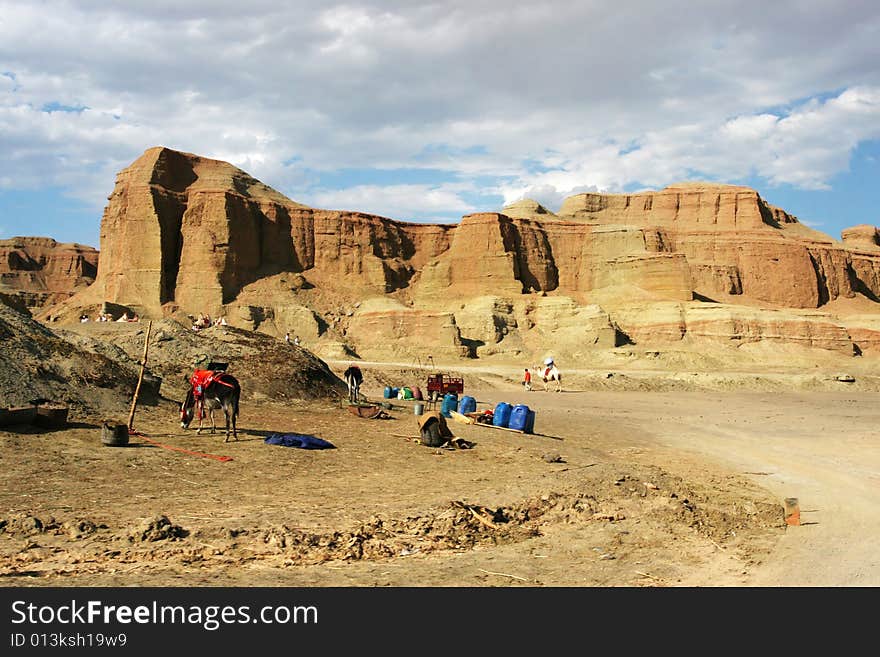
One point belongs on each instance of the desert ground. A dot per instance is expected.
(632, 478)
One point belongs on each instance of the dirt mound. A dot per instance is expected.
(94, 367)
(37, 363)
(159, 528)
(268, 368)
(23, 524)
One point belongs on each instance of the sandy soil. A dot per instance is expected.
(617, 487)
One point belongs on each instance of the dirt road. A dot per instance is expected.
(821, 448)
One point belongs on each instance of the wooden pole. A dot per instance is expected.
(137, 390)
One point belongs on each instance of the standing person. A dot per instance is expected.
(527, 379)
(296, 341)
(287, 337)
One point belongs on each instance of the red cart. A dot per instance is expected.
(441, 384)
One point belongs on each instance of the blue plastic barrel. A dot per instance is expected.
(387, 392)
(522, 418)
(501, 415)
(450, 401)
(467, 405)
(394, 392)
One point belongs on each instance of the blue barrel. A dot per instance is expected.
(450, 401)
(522, 418)
(501, 415)
(394, 392)
(387, 392)
(467, 405)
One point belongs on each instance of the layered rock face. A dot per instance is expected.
(186, 233)
(736, 243)
(40, 272)
(193, 232)
(862, 236)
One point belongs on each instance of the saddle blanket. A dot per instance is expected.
(201, 379)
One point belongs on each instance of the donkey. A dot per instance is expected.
(221, 390)
(551, 373)
(353, 378)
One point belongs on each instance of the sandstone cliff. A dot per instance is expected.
(183, 234)
(39, 272)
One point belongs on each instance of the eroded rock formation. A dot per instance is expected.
(183, 233)
(39, 272)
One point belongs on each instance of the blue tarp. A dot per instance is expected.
(298, 440)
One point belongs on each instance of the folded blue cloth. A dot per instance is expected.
(298, 440)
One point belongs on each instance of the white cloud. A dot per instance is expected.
(544, 99)
(396, 201)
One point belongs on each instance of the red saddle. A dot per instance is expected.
(201, 379)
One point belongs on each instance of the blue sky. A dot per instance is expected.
(426, 111)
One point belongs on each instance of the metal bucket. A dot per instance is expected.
(418, 408)
(113, 434)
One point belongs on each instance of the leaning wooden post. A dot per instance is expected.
(137, 390)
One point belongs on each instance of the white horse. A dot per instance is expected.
(551, 373)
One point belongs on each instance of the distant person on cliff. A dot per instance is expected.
(296, 341)
(287, 338)
(527, 379)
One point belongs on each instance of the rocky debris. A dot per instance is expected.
(21, 525)
(26, 524)
(616, 517)
(463, 525)
(158, 528)
(80, 528)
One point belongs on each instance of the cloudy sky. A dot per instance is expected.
(426, 111)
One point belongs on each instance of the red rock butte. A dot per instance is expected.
(696, 262)
(39, 271)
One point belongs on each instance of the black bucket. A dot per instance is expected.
(113, 434)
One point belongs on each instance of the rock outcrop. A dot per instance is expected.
(862, 236)
(187, 234)
(41, 272)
